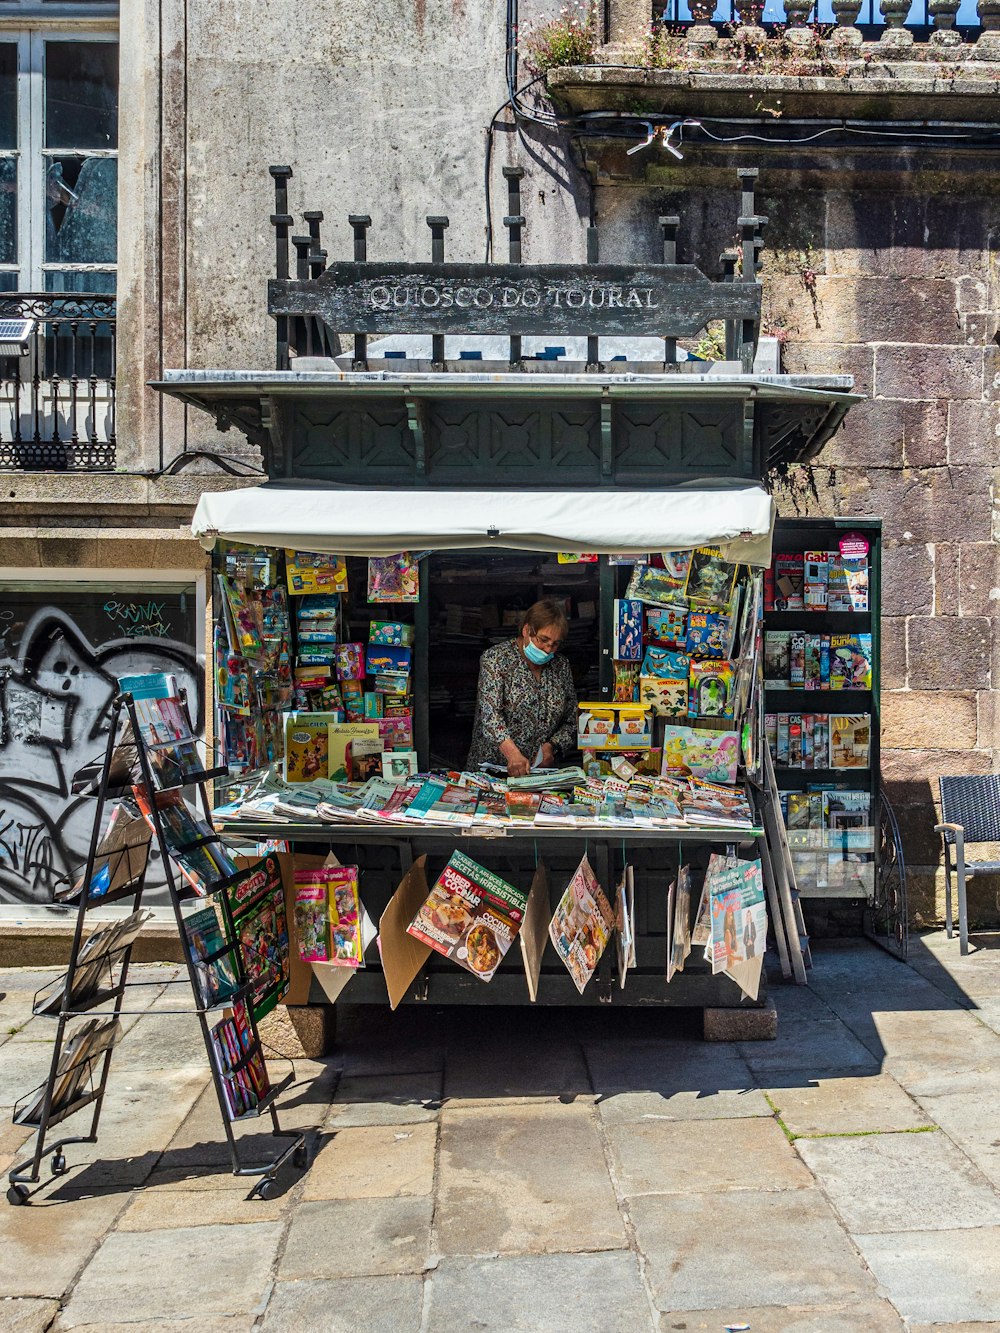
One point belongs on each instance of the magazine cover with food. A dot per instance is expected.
(471, 916)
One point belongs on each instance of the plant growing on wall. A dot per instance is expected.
(568, 39)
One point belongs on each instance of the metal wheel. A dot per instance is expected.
(17, 1194)
(58, 1164)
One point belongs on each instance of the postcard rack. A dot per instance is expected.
(81, 1057)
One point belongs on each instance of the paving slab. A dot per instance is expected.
(539, 1293)
(198, 1271)
(44, 1245)
(373, 1040)
(979, 1327)
(970, 1120)
(23, 1066)
(347, 1305)
(871, 1316)
(819, 1046)
(938, 1277)
(164, 1206)
(524, 1179)
(847, 1105)
(498, 1073)
(375, 1162)
(386, 1099)
(901, 1182)
(672, 1080)
(201, 1138)
(216, 1324)
(162, 1041)
(746, 1248)
(358, 1238)
(664, 1157)
(17, 1316)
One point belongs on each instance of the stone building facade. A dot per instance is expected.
(880, 261)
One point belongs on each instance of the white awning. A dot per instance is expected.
(736, 515)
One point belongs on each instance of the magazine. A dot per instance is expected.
(738, 917)
(625, 924)
(470, 916)
(712, 755)
(120, 857)
(75, 1068)
(680, 948)
(850, 740)
(215, 970)
(582, 925)
(191, 842)
(850, 662)
(257, 902)
(100, 953)
(312, 919)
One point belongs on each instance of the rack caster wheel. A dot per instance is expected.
(266, 1188)
(300, 1157)
(58, 1164)
(18, 1194)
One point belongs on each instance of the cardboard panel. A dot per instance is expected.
(402, 955)
(534, 933)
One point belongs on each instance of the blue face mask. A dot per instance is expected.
(535, 654)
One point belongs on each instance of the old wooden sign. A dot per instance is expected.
(668, 300)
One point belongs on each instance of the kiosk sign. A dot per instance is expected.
(668, 300)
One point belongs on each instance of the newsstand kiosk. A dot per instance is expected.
(521, 431)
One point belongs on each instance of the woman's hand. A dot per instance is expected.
(548, 756)
(517, 765)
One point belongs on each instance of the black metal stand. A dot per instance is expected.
(131, 751)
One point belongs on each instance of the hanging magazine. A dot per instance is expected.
(738, 913)
(257, 903)
(471, 916)
(582, 925)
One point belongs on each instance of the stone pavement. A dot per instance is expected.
(545, 1170)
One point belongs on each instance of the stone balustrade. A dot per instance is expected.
(628, 22)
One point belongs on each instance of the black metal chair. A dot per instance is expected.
(970, 813)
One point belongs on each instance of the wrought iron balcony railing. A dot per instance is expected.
(57, 386)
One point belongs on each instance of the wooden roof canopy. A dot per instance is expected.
(414, 416)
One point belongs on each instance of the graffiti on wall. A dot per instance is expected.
(56, 689)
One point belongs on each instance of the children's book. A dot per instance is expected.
(340, 739)
(712, 755)
(710, 578)
(582, 925)
(257, 903)
(850, 662)
(470, 916)
(667, 626)
(393, 578)
(710, 689)
(628, 630)
(315, 572)
(709, 634)
(850, 740)
(307, 746)
(204, 938)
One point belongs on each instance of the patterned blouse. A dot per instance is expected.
(514, 705)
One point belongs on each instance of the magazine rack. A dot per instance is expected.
(127, 761)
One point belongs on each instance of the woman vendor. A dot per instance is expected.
(526, 706)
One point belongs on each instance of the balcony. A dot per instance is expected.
(57, 389)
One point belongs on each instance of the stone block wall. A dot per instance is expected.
(903, 292)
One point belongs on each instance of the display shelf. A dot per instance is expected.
(785, 697)
(56, 1117)
(858, 777)
(839, 622)
(266, 1102)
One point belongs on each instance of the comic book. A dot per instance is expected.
(393, 578)
(257, 903)
(712, 755)
(582, 925)
(315, 572)
(627, 630)
(470, 916)
(710, 578)
(850, 662)
(307, 746)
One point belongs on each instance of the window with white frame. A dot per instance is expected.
(58, 157)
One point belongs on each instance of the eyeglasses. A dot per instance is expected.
(546, 644)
